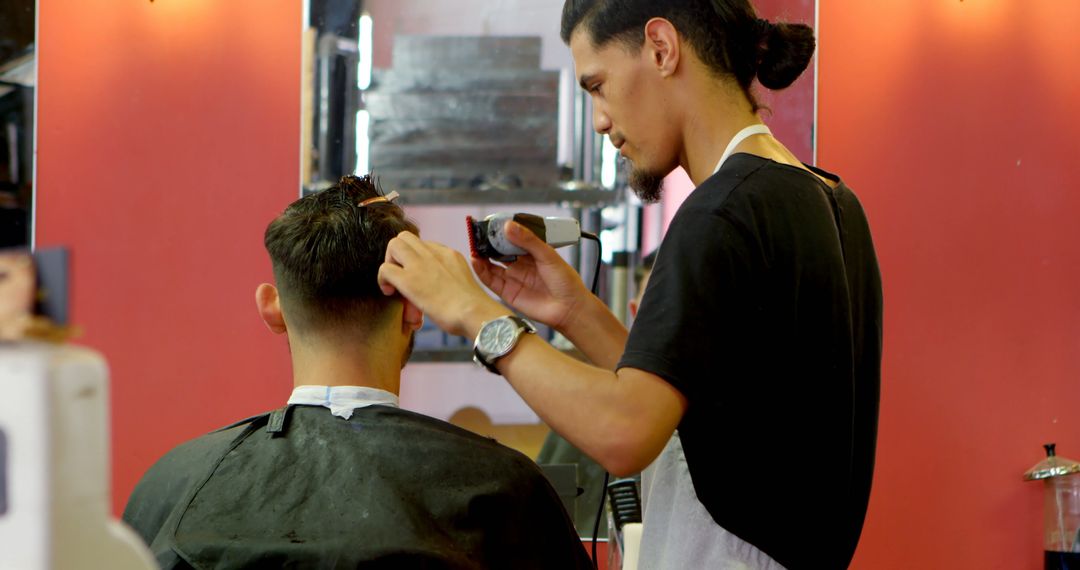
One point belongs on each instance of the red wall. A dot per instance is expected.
(168, 137)
(957, 124)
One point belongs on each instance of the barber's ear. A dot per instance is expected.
(269, 305)
(411, 316)
(662, 45)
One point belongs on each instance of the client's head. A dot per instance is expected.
(326, 249)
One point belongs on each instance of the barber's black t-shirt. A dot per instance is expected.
(764, 309)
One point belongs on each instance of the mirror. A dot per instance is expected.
(471, 108)
(16, 121)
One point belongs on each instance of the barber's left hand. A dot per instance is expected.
(437, 279)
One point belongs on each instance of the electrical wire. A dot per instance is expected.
(596, 523)
(599, 259)
(603, 489)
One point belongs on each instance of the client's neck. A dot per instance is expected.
(328, 363)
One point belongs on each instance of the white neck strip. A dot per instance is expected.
(739, 137)
(342, 400)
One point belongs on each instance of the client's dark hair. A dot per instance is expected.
(326, 250)
(726, 34)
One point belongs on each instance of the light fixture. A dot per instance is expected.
(363, 65)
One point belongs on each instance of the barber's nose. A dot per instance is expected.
(601, 122)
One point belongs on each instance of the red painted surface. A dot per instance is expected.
(601, 552)
(168, 137)
(957, 124)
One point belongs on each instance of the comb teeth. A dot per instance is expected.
(469, 224)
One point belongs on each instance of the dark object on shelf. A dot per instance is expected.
(1061, 560)
(1061, 508)
(13, 227)
(16, 147)
(16, 27)
(625, 501)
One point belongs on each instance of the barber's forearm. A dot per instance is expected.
(479, 311)
(596, 332)
(592, 328)
(575, 399)
(587, 405)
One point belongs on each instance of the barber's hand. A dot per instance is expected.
(437, 280)
(541, 285)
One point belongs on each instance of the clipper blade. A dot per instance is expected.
(472, 230)
(480, 245)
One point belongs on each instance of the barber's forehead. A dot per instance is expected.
(582, 39)
(589, 59)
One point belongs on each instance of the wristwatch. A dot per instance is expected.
(497, 338)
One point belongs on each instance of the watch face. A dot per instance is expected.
(497, 337)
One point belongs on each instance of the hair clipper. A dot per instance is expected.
(487, 237)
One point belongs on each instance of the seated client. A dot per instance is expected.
(341, 477)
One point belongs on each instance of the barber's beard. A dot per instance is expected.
(647, 185)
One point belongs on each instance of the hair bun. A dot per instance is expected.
(785, 51)
(764, 28)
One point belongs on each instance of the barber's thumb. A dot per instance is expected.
(520, 236)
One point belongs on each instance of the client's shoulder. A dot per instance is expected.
(440, 439)
(209, 446)
(194, 454)
(164, 485)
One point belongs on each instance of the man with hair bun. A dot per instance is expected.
(749, 382)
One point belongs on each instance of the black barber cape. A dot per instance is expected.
(385, 489)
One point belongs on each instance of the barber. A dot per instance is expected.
(751, 376)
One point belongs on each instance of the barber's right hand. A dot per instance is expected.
(540, 285)
(437, 281)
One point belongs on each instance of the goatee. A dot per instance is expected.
(648, 186)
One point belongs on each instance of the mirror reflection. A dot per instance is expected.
(16, 121)
(471, 108)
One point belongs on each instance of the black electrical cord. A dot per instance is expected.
(596, 523)
(599, 259)
(603, 489)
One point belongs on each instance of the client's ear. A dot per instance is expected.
(269, 305)
(411, 316)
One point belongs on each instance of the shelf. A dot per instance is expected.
(421, 356)
(590, 196)
(579, 195)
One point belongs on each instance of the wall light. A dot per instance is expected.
(363, 66)
(363, 143)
